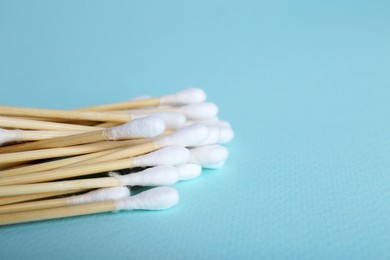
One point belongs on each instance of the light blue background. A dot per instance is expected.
(306, 85)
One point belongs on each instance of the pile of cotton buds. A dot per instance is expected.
(62, 163)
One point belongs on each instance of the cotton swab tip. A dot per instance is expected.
(8, 136)
(172, 155)
(201, 111)
(186, 136)
(226, 134)
(214, 166)
(186, 96)
(213, 138)
(156, 176)
(209, 155)
(143, 127)
(189, 171)
(173, 120)
(100, 195)
(217, 135)
(159, 198)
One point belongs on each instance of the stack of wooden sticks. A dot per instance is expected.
(61, 163)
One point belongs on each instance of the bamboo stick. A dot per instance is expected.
(69, 211)
(107, 124)
(124, 105)
(65, 114)
(40, 167)
(104, 182)
(27, 135)
(34, 205)
(77, 139)
(22, 198)
(66, 121)
(30, 197)
(20, 123)
(25, 156)
(114, 193)
(68, 172)
(143, 127)
(126, 152)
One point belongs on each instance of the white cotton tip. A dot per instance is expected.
(226, 134)
(186, 136)
(214, 166)
(214, 134)
(9, 136)
(211, 122)
(217, 135)
(143, 127)
(224, 123)
(209, 155)
(184, 97)
(173, 120)
(114, 193)
(218, 122)
(156, 176)
(171, 155)
(189, 171)
(159, 198)
(201, 111)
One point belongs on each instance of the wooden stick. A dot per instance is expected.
(22, 198)
(70, 140)
(114, 193)
(65, 114)
(9, 166)
(19, 123)
(34, 205)
(67, 172)
(95, 150)
(66, 121)
(107, 124)
(124, 105)
(125, 153)
(57, 152)
(27, 135)
(69, 211)
(104, 182)
(154, 110)
(51, 165)
(112, 147)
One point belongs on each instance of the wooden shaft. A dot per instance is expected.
(13, 190)
(126, 153)
(84, 138)
(67, 121)
(21, 198)
(19, 123)
(106, 147)
(51, 165)
(107, 124)
(34, 205)
(154, 110)
(124, 105)
(52, 153)
(8, 166)
(42, 154)
(64, 114)
(44, 214)
(69, 172)
(28, 135)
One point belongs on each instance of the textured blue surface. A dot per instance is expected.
(306, 85)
